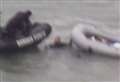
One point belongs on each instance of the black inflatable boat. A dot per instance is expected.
(36, 36)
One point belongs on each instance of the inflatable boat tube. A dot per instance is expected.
(36, 36)
(87, 37)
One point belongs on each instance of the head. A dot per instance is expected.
(57, 39)
(28, 13)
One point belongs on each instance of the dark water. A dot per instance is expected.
(57, 65)
(65, 64)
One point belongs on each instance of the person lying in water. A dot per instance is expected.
(58, 43)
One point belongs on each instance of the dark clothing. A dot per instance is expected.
(58, 45)
(19, 23)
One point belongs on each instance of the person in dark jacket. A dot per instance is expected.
(19, 23)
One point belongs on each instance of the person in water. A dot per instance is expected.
(19, 23)
(58, 43)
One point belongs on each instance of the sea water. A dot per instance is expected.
(65, 64)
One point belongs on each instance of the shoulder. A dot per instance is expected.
(19, 14)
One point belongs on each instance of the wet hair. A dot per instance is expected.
(57, 39)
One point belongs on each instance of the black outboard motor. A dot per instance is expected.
(42, 26)
(38, 33)
(48, 29)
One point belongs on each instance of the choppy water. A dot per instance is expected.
(61, 64)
